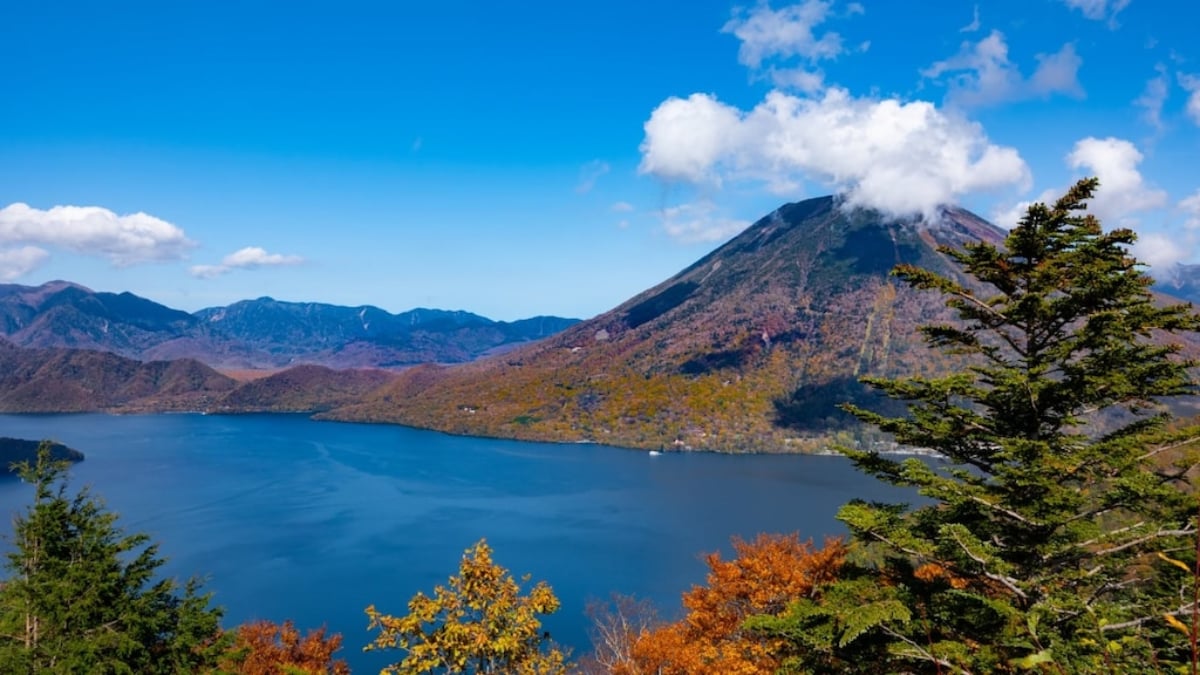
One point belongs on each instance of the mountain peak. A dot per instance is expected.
(60, 284)
(747, 349)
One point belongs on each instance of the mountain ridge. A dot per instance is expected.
(64, 380)
(251, 334)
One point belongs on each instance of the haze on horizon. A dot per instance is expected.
(548, 159)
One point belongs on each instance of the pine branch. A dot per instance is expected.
(1007, 582)
(1187, 532)
(1167, 448)
(1008, 512)
(923, 653)
(1185, 610)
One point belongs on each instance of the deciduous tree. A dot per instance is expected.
(617, 625)
(765, 577)
(478, 623)
(268, 648)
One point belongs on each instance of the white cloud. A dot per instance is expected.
(1192, 84)
(785, 36)
(622, 207)
(1163, 251)
(1153, 97)
(699, 222)
(1008, 218)
(1057, 73)
(590, 173)
(1159, 250)
(798, 79)
(1099, 10)
(981, 74)
(1192, 206)
(974, 25)
(687, 138)
(207, 271)
(788, 32)
(1122, 195)
(900, 158)
(17, 262)
(251, 257)
(92, 230)
(1122, 191)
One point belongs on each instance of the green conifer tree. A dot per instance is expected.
(81, 596)
(1061, 489)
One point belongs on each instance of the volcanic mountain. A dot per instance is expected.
(748, 349)
(262, 333)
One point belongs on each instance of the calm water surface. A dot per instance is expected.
(290, 518)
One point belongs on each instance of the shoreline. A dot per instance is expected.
(317, 416)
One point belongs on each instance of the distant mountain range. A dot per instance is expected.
(253, 334)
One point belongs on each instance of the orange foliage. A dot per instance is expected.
(767, 574)
(931, 572)
(266, 648)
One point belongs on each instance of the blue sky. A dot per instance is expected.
(526, 158)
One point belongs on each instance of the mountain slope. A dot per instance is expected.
(305, 389)
(77, 380)
(1182, 281)
(748, 349)
(62, 314)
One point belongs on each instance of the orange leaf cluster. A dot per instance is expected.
(767, 574)
(267, 648)
(931, 572)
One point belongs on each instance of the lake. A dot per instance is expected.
(291, 518)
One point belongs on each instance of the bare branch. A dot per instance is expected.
(1187, 532)
(1011, 514)
(924, 653)
(1170, 446)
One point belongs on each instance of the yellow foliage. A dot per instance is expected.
(478, 622)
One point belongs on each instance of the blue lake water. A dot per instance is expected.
(291, 518)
